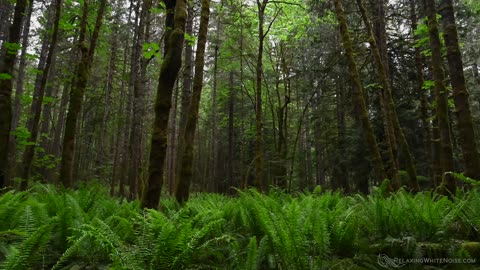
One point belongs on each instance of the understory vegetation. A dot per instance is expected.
(45, 228)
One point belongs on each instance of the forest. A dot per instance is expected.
(239, 134)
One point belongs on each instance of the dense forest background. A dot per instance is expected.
(209, 95)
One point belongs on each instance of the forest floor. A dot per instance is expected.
(44, 228)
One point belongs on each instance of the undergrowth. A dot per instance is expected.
(44, 228)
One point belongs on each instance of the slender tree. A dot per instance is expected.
(168, 75)
(358, 93)
(389, 103)
(78, 91)
(259, 142)
(36, 109)
(186, 171)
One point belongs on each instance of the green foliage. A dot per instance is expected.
(86, 228)
(5, 76)
(428, 84)
(151, 50)
(12, 48)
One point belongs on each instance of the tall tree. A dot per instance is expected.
(168, 75)
(139, 89)
(466, 132)
(388, 99)
(422, 93)
(36, 109)
(186, 171)
(7, 63)
(441, 98)
(259, 142)
(358, 93)
(77, 93)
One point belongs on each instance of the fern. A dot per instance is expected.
(27, 253)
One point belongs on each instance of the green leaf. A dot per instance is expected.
(5, 76)
(428, 84)
(190, 39)
(151, 50)
(12, 48)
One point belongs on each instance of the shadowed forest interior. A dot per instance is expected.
(239, 134)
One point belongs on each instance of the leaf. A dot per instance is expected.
(428, 84)
(151, 50)
(190, 39)
(5, 76)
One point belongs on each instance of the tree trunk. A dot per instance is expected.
(214, 144)
(466, 132)
(186, 171)
(6, 8)
(185, 97)
(23, 64)
(19, 87)
(36, 109)
(358, 95)
(389, 103)
(163, 103)
(422, 93)
(139, 66)
(77, 93)
(7, 63)
(259, 143)
(231, 135)
(441, 97)
(339, 170)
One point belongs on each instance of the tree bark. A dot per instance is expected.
(358, 94)
(471, 158)
(163, 103)
(7, 62)
(186, 94)
(441, 97)
(186, 171)
(78, 91)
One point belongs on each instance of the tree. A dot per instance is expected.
(471, 157)
(358, 93)
(168, 75)
(7, 62)
(37, 103)
(83, 69)
(186, 169)
(441, 98)
(389, 104)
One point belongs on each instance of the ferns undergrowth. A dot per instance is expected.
(44, 228)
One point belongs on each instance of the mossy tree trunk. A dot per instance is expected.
(186, 169)
(441, 98)
(185, 101)
(7, 63)
(163, 103)
(466, 132)
(78, 90)
(389, 103)
(358, 93)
